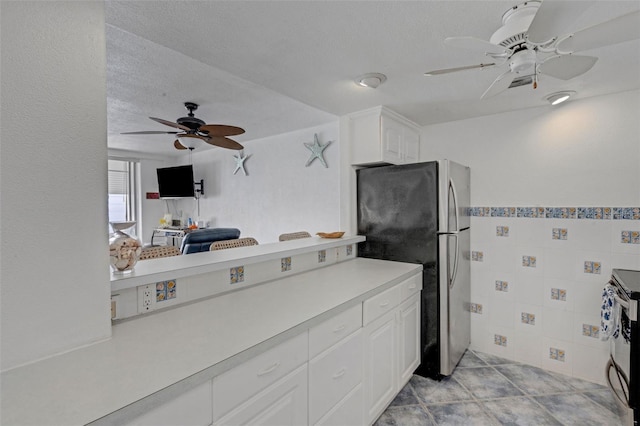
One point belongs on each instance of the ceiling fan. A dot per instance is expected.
(194, 128)
(533, 40)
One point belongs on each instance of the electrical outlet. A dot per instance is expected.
(146, 298)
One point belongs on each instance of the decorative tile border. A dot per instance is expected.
(597, 213)
(322, 256)
(502, 286)
(166, 290)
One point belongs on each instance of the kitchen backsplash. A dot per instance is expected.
(537, 275)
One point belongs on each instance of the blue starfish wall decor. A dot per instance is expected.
(316, 151)
(240, 162)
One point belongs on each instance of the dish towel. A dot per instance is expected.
(609, 313)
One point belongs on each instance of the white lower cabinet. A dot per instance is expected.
(391, 345)
(337, 373)
(282, 404)
(409, 335)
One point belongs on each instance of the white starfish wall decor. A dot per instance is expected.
(240, 158)
(316, 149)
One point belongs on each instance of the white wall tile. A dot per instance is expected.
(563, 367)
(616, 230)
(568, 286)
(625, 261)
(589, 363)
(595, 234)
(527, 348)
(559, 263)
(529, 328)
(529, 289)
(578, 334)
(588, 296)
(557, 324)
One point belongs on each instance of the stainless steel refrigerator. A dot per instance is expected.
(419, 213)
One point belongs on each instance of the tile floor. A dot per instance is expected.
(487, 390)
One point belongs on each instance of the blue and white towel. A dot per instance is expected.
(609, 314)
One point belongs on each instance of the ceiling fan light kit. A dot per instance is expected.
(559, 97)
(372, 80)
(533, 41)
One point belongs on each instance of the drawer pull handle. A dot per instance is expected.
(339, 329)
(382, 305)
(340, 373)
(269, 369)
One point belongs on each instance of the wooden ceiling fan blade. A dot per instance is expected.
(220, 130)
(499, 85)
(552, 19)
(223, 142)
(178, 145)
(456, 69)
(170, 123)
(565, 67)
(476, 44)
(149, 132)
(618, 30)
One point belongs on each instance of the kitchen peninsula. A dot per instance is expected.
(154, 360)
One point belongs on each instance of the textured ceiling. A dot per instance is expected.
(277, 66)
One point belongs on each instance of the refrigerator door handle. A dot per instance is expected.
(452, 280)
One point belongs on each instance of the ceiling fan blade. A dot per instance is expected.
(149, 132)
(220, 130)
(566, 67)
(499, 85)
(178, 145)
(170, 123)
(479, 45)
(620, 29)
(448, 70)
(553, 18)
(223, 142)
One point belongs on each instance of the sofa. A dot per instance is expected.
(200, 239)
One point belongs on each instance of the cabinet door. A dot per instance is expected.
(411, 146)
(282, 404)
(392, 140)
(380, 370)
(409, 339)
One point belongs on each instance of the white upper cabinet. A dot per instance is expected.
(379, 135)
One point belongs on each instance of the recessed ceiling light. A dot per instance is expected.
(372, 79)
(559, 97)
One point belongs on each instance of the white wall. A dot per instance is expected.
(584, 152)
(53, 179)
(279, 194)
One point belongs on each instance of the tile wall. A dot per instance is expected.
(537, 275)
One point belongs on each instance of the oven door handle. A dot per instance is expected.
(631, 306)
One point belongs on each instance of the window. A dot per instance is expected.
(123, 190)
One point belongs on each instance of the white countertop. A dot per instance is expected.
(154, 270)
(185, 346)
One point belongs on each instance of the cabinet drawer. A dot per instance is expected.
(240, 383)
(380, 304)
(328, 333)
(347, 412)
(333, 374)
(410, 287)
(192, 408)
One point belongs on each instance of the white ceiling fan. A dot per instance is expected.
(533, 40)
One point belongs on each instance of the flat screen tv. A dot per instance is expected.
(176, 182)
